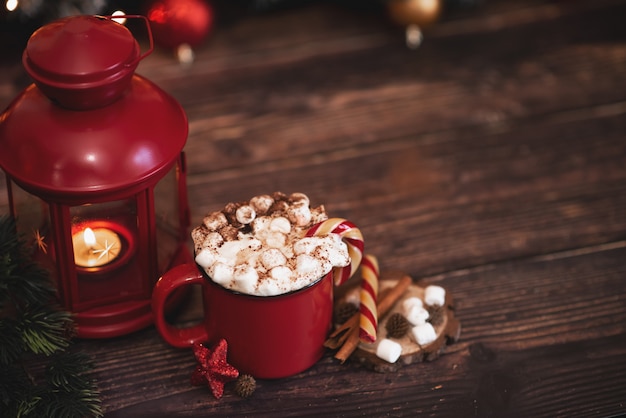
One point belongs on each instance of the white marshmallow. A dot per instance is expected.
(279, 281)
(280, 224)
(299, 199)
(215, 221)
(235, 250)
(246, 277)
(417, 316)
(281, 273)
(338, 253)
(424, 333)
(261, 225)
(213, 240)
(245, 214)
(272, 258)
(261, 204)
(275, 239)
(221, 273)
(299, 215)
(388, 350)
(306, 245)
(353, 297)
(268, 288)
(206, 258)
(308, 264)
(409, 303)
(435, 295)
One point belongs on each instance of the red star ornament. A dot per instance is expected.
(213, 368)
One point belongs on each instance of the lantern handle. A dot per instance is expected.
(148, 30)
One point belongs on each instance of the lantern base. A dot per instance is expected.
(113, 320)
(126, 317)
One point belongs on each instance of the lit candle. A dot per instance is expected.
(95, 247)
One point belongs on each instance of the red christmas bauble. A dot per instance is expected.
(178, 22)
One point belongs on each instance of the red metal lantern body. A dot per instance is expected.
(96, 174)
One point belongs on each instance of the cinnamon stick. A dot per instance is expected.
(350, 336)
(339, 335)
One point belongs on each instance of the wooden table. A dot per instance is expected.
(490, 161)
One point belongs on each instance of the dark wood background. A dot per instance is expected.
(491, 161)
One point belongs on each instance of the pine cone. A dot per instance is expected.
(397, 326)
(344, 311)
(245, 385)
(436, 315)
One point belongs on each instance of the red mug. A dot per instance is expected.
(268, 336)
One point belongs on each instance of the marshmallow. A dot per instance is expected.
(281, 273)
(268, 288)
(245, 214)
(261, 204)
(221, 273)
(409, 303)
(206, 258)
(272, 258)
(353, 297)
(299, 215)
(275, 239)
(277, 282)
(280, 224)
(337, 251)
(306, 245)
(388, 350)
(417, 315)
(424, 333)
(299, 199)
(435, 295)
(308, 264)
(246, 277)
(261, 225)
(215, 221)
(212, 240)
(231, 250)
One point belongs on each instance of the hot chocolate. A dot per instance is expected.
(260, 247)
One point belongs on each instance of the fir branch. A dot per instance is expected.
(66, 404)
(14, 384)
(33, 323)
(21, 280)
(68, 371)
(12, 346)
(44, 331)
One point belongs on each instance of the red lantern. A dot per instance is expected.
(96, 174)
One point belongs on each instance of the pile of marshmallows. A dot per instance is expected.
(260, 247)
(422, 331)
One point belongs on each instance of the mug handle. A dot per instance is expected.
(181, 275)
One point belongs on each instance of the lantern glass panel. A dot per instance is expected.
(167, 214)
(104, 240)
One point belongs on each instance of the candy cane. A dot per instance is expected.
(351, 235)
(368, 318)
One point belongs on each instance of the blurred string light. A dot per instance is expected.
(11, 5)
(120, 20)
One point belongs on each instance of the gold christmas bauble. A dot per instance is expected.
(414, 12)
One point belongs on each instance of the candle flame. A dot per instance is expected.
(89, 237)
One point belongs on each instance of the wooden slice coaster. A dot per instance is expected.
(447, 328)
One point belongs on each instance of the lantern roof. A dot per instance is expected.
(62, 154)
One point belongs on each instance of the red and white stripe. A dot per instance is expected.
(368, 318)
(351, 235)
(353, 238)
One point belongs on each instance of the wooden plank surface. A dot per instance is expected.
(491, 161)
